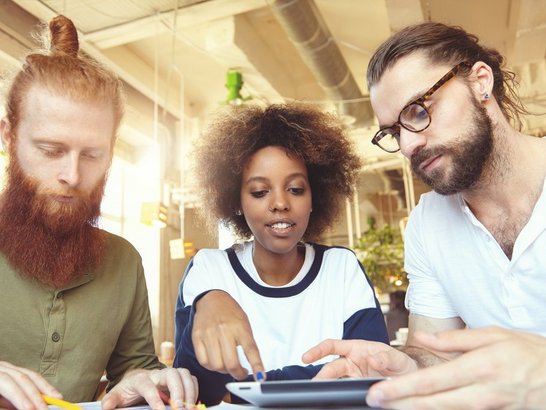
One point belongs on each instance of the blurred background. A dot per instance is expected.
(180, 60)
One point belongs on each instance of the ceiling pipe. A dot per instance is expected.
(305, 27)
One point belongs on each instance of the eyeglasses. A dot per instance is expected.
(414, 116)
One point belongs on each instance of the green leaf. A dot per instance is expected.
(381, 251)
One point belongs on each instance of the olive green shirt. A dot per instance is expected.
(70, 336)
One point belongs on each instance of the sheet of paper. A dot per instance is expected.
(96, 405)
(229, 406)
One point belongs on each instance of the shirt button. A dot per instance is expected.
(55, 337)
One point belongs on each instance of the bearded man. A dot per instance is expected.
(475, 247)
(74, 298)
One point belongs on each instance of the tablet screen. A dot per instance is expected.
(345, 392)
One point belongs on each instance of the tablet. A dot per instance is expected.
(318, 393)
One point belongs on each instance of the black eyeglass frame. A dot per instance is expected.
(421, 102)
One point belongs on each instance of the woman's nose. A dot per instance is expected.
(279, 203)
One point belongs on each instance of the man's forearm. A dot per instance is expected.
(423, 357)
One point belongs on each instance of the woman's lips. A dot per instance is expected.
(281, 228)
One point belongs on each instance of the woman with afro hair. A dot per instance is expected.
(276, 176)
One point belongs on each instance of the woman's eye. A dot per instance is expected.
(297, 191)
(258, 194)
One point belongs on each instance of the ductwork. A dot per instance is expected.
(305, 27)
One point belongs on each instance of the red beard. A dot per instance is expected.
(44, 240)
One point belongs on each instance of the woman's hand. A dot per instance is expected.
(220, 325)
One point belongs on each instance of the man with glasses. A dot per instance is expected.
(475, 248)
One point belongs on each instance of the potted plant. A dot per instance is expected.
(381, 251)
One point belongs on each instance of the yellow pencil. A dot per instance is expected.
(60, 403)
(198, 406)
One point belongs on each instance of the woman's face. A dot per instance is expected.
(276, 200)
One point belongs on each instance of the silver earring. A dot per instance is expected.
(238, 212)
(486, 96)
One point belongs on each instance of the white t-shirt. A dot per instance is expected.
(330, 289)
(330, 297)
(457, 269)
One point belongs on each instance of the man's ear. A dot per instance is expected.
(5, 133)
(483, 80)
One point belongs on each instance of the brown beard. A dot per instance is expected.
(44, 240)
(471, 155)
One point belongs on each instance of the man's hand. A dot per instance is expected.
(22, 388)
(359, 358)
(154, 387)
(220, 325)
(497, 369)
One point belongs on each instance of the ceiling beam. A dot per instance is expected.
(17, 41)
(10, 49)
(185, 17)
(11, 18)
(137, 74)
(403, 13)
(512, 25)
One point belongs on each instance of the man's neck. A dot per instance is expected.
(503, 201)
(514, 177)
